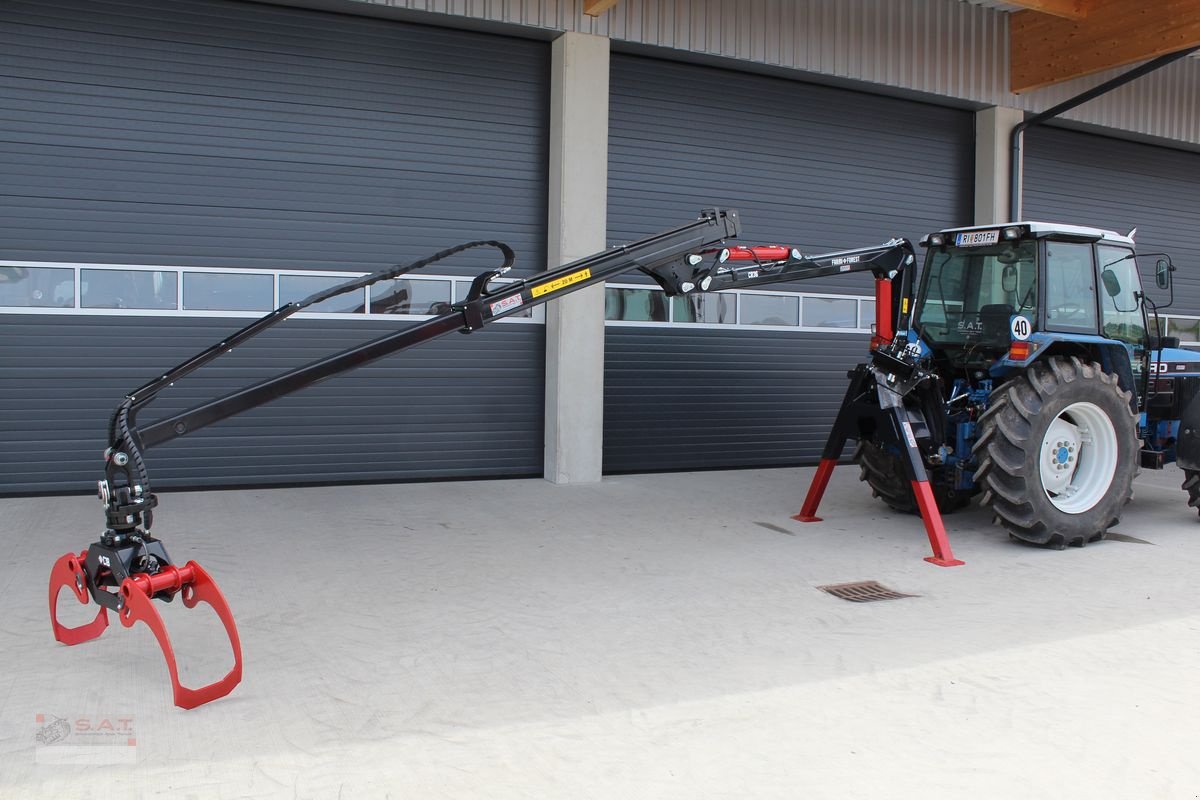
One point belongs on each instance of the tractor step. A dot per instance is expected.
(1153, 459)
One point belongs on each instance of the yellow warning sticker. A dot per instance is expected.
(904, 306)
(561, 283)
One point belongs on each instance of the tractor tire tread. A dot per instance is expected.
(884, 473)
(1008, 445)
(1191, 485)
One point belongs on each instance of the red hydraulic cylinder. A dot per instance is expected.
(885, 326)
(764, 252)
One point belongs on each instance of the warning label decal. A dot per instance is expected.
(561, 283)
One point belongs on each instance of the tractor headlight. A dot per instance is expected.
(1012, 233)
(936, 240)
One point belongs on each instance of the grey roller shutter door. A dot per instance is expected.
(815, 166)
(1084, 179)
(229, 134)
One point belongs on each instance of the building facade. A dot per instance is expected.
(175, 168)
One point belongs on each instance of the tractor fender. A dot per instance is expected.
(1112, 356)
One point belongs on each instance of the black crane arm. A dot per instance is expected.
(126, 488)
(892, 264)
(768, 264)
(681, 261)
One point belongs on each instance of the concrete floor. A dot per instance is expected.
(648, 637)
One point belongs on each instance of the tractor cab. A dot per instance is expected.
(1000, 297)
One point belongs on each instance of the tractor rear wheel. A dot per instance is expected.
(884, 472)
(1057, 453)
(1191, 485)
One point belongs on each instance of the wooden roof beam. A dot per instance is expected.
(1044, 49)
(1067, 9)
(594, 8)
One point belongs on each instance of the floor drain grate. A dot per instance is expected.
(863, 591)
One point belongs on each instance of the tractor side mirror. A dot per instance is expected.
(1008, 278)
(1162, 273)
(1112, 284)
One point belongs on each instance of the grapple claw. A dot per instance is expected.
(195, 585)
(68, 571)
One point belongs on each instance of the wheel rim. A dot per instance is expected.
(1078, 458)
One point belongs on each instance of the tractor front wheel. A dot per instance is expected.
(1057, 453)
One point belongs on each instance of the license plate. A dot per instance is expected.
(977, 238)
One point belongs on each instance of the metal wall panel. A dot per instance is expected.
(204, 132)
(461, 406)
(942, 47)
(1084, 179)
(697, 399)
(808, 165)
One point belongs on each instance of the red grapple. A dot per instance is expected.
(68, 571)
(134, 601)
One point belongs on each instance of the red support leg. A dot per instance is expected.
(943, 556)
(808, 513)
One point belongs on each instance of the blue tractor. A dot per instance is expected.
(1026, 366)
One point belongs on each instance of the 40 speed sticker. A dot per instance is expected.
(1020, 327)
(561, 283)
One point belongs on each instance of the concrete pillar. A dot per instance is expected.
(993, 128)
(577, 227)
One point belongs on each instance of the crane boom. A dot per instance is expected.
(128, 568)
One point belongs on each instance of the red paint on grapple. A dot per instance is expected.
(137, 605)
(68, 572)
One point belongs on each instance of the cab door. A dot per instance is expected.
(1070, 294)
(1122, 312)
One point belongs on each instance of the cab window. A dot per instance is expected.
(1121, 312)
(1070, 288)
(968, 295)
